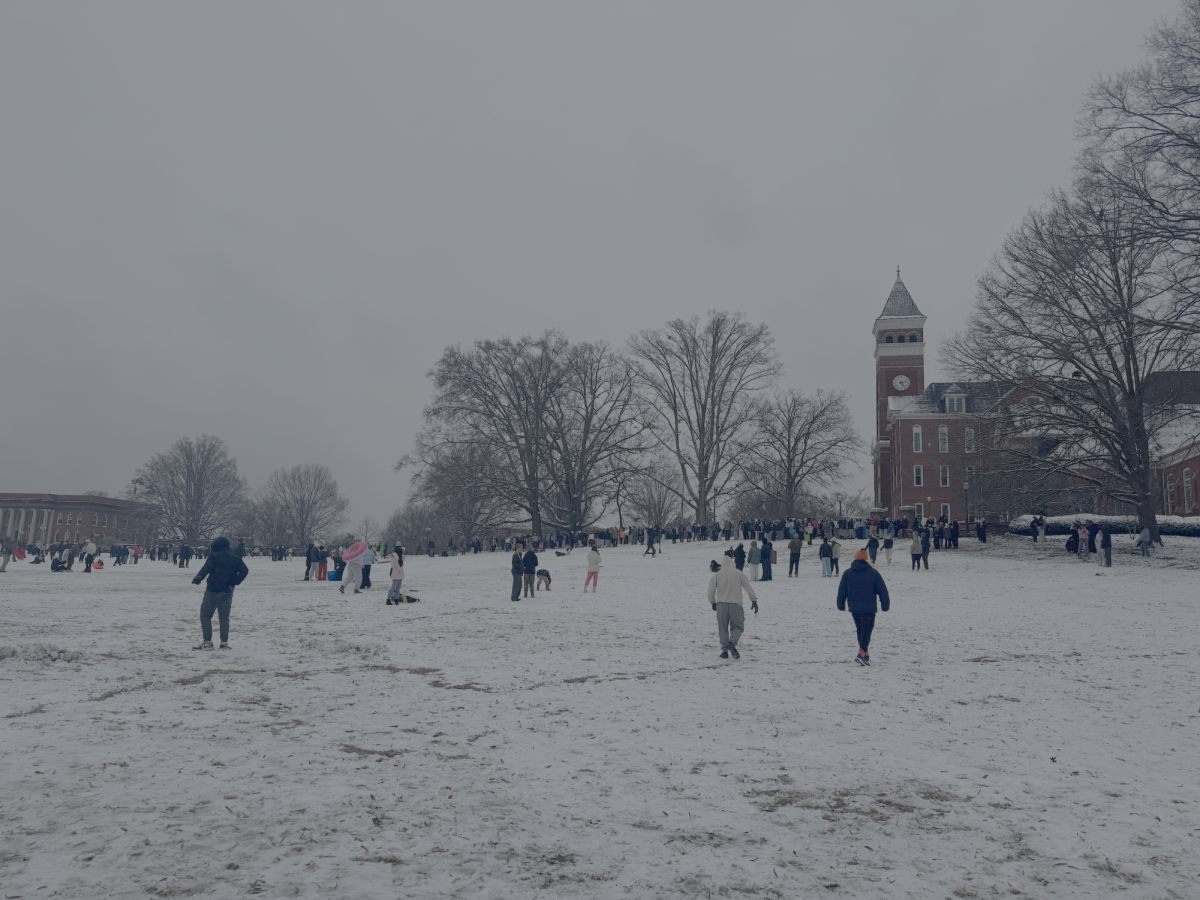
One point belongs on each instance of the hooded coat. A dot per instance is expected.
(860, 585)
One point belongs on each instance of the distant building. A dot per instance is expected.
(928, 439)
(71, 517)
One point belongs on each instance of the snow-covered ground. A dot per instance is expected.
(1027, 728)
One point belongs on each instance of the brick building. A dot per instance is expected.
(928, 438)
(71, 517)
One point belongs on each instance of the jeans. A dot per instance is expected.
(731, 622)
(864, 623)
(1145, 549)
(1108, 557)
(394, 590)
(826, 567)
(529, 584)
(366, 577)
(220, 604)
(794, 564)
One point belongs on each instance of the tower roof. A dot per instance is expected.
(900, 303)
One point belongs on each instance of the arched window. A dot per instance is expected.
(912, 338)
(916, 439)
(969, 440)
(888, 339)
(943, 439)
(900, 340)
(1188, 491)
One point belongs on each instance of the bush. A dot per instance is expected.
(1187, 526)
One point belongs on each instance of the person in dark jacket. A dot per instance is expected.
(872, 548)
(859, 587)
(825, 552)
(1106, 547)
(529, 565)
(739, 557)
(518, 569)
(767, 548)
(225, 571)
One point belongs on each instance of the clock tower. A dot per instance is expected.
(899, 372)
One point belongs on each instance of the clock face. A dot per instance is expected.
(900, 382)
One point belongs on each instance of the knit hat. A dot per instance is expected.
(861, 554)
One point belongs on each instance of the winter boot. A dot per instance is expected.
(733, 652)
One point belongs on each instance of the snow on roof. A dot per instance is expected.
(900, 303)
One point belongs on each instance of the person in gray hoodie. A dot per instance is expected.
(725, 594)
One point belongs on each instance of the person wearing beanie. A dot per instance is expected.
(859, 587)
(725, 594)
(225, 571)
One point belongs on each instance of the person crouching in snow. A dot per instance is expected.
(543, 577)
(859, 586)
(725, 594)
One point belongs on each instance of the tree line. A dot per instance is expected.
(1091, 308)
(544, 434)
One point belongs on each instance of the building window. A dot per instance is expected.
(900, 340)
(95, 519)
(106, 521)
(1188, 491)
(916, 439)
(920, 512)
(912, 338)
(955, 404)
(888, 339)
(70, 516)
(944, 476)
(946, 511)
(56, 534)
(59, 522)
(943, 439)
(918, 476)
(969, 440)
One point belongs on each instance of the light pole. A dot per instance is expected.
(966, 503)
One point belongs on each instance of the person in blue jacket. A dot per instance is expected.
(859, 587)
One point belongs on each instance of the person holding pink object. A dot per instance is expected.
(593, 575)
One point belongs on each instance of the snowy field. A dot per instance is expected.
(1027, 728)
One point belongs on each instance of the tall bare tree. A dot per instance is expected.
(368, 530)
(596, 428)
(453, 483)
(1064, 321)
(797, 444)
(701, 381)
(308, 498)
(653, 494)
(498, 397)
(194, 489)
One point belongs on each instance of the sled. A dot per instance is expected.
(97, 565)
(354, 551)
(18, 553)
(406, 598)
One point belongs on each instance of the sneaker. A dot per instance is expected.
(342, 589)
(204, 645)
(733, 652)
(224, 645)
(862, 659)
(724, 654)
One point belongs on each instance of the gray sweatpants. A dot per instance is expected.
(731, 622)
(216, 603)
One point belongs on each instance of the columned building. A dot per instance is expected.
(51, 518)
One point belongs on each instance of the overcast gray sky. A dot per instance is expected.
(265, 220)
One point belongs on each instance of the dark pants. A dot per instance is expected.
(864, 623)
(88, 560)
(1108, 557)
(220, 604)
(925, 558)
(794, 564)
(916, 558)
(834, 562)
(871, 551)
(366, 579)
(516, 593)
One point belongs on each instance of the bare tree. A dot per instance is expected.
(453, 482)
(797, 444)
(194, 489)
(653, 494)
(1063, 322)
(368, 530)
(497, 397)
(701, 382)
(597, 426)
(308, 498)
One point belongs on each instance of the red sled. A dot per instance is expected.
(97, 565)
(18, 553)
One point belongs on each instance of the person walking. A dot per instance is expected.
(915, 550)
(888, 543)
(753, 560)
(529, 563)
(925, 547)
(825, 552)
(518, 569)
(366, 561)
(351, 574)
(859, 587)
(725, 594)
(225, 572)
(593, 572)
(872, 547)
(795, 545)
